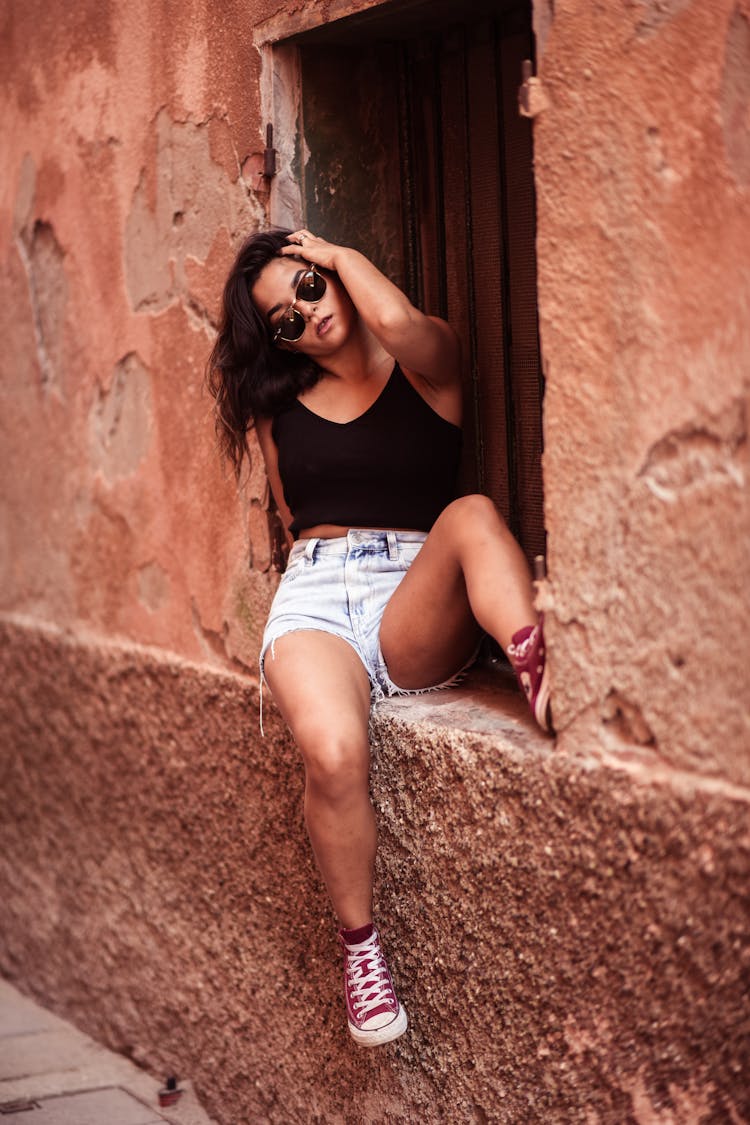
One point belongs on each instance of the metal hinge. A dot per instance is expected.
(269, 155)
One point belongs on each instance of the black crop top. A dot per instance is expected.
(393, 466)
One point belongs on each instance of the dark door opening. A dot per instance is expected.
(413, 150)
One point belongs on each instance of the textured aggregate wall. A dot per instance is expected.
(570, 945)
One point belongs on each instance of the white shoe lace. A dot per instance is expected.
(370, 987)
(520, 652)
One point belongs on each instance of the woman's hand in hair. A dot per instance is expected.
(303, 244)
(424, 345)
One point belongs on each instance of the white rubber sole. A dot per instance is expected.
(542, 711)
(380, 1035)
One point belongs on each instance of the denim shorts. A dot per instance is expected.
(342, 586)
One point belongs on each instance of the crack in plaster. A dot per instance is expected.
(644, 767)
(626, 720)
(121, 419)
(699, 453)
(215, 643)
(199, 316)
(42, 259)
(656, 13)
(182, 198)
(239, 161)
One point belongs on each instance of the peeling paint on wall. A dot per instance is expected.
(705, 453)
(122, 420)
(43, 259)
(735, 95)
(181, 198)
(655, 13)
(153, 586)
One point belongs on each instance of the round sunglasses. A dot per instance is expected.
(291, 325)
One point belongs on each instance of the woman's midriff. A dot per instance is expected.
(333, 531)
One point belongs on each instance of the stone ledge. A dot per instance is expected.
(487, 702)
(569, 945)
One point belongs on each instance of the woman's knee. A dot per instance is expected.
(337, 762)
(473, 514)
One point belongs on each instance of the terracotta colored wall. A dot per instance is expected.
(584, 903)
(123, 196)
(570, 946)
(643, 173)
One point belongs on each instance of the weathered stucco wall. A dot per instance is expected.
(122, 198)
(581, 904)
(643, 175)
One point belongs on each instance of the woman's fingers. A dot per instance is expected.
(300, 236)
(304, 244)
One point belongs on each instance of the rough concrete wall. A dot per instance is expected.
(126, 130)
(570, 946)
(643, 177)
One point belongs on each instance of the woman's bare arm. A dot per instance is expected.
(271, 459)
(423, 344)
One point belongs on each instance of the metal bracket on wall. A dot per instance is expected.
(531, 96)
(269, 155)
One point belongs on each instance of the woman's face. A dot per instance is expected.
(327, 321)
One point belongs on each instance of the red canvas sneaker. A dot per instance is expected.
(527, 654)
(374, 1013)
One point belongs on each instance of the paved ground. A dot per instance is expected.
(53, 1074)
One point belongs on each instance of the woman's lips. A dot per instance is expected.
(323, 326)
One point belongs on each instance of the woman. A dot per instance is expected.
(391, 582)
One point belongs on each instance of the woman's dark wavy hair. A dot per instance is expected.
(247, 375)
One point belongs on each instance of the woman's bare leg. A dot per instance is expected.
(323, 692)
(470, 570)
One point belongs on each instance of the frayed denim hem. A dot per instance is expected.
(390, 690)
